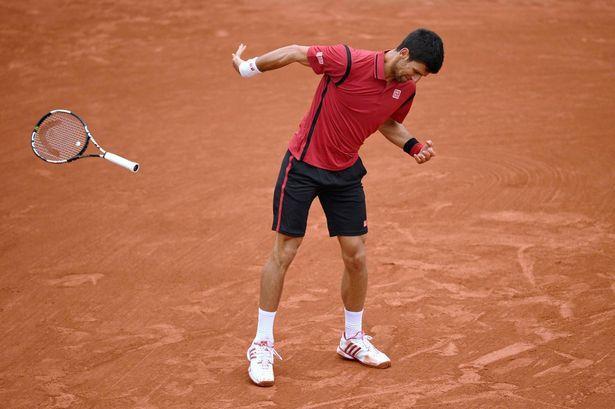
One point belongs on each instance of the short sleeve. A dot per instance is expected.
(330, 60)
(402, 111)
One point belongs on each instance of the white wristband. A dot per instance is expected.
(248, 68)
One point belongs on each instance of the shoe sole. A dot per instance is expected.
(264, 384)
(344, 355)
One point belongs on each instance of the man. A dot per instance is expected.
(360, 92)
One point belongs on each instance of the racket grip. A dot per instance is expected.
(118, 160)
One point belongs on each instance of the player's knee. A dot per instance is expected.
(285, 256)
(285, 252)
(355, 260)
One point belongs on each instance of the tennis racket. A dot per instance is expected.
(61, 136)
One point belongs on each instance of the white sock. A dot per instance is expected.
(353, 322)
(264, 331)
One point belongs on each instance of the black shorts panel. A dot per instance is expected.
(340, 193)
(345, 210)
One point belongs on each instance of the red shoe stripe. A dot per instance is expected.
(348, 348)
(353, 351)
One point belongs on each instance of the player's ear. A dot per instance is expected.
(404, 53)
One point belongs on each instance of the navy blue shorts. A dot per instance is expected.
(340, 193)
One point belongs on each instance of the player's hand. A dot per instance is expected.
(237, 57)
(426, 153)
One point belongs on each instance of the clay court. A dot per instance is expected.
(491, 267)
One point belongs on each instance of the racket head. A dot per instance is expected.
(60, 136)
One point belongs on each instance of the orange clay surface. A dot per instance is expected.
(492, 280)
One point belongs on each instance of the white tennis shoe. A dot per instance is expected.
(359, 348)
(261, 355)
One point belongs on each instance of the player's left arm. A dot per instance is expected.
(398, 135)
(272, 60)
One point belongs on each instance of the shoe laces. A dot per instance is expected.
(363, 340)
(265, 353)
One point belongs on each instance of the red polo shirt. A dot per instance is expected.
(352, 100)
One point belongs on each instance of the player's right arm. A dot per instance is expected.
(274, 59)
(398, 135)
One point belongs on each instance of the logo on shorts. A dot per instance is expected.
(364, 223)
(321, 60)
(396, 93)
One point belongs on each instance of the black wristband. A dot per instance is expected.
(408, 146)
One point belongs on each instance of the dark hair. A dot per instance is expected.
(425, 46)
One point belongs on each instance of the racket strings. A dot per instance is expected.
(61, 136)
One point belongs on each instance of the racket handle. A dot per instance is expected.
(118, 160)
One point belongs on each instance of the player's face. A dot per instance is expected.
(406, 70)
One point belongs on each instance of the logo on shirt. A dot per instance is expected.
(321, 60)
(396, 93)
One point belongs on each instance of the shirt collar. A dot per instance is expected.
(379, 65)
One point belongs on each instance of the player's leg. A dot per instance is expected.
(354, 280)
(293, 195)
(343, 201)
(294, 192)
(261, 353)
(344, 204)
(354, 343)
(272, 277)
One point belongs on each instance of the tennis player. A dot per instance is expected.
(360, 92)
